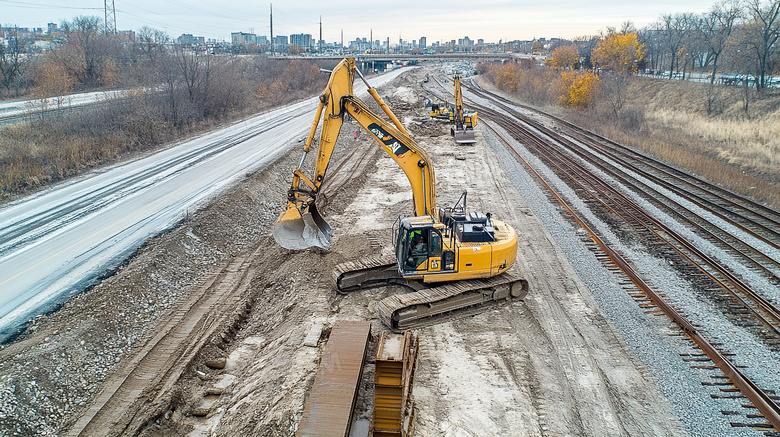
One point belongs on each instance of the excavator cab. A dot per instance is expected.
(422, 248)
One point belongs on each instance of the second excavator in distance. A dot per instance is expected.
(455, 261)
(465, 120)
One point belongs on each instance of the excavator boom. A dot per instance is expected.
(301, 226)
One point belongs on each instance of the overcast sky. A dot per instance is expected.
(492, 20)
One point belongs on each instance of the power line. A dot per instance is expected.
(44, 6)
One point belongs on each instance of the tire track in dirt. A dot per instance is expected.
(149, 376)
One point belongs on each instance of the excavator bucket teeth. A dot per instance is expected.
(464, 136)
(297, 231)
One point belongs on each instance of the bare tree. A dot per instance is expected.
(653, 39)
(149, 42)
(715, 28)
(764, 27)
(743, 60)
(87, 53)
(690, 49)
(190, 70)
(628, 27)
(12, 62)
(673, 36)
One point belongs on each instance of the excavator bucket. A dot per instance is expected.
(297, 231)
(464, 136)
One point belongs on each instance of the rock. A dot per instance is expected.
(205, 406)
(313, 336)
(216, 363)
(216, 391)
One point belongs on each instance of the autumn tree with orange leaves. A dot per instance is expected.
(621, 53)
(578, 88)
(566, 57)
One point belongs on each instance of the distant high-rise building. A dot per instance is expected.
(301, 40)
(280, 41)
(423, 42)
(52, 27)
(186, 39)
(242, 39)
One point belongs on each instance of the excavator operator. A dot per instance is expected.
(418, 250)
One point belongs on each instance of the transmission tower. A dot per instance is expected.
(110, 16)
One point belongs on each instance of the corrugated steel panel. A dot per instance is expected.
(396, 358)
(328, 411)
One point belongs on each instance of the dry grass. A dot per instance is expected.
(701, 129)
(65, 144)
(733, 149)
(753, 144)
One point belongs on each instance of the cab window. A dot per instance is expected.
(435, 243)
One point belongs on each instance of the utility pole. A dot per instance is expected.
(388, 45)
(342, 41)
(109, 11)
(320, 34)
(371, 43)
(272, 30)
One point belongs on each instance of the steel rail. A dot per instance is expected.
(763, 402)
(646, 220)
(746, 205)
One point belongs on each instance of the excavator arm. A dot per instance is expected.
(458, 102)
(301, 226)
(464, 121)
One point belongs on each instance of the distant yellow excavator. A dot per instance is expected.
(442, 110)
(454, 259)
(465, 120)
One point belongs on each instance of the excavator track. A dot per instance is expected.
(375, 271)
(426, 306)
(433, 305)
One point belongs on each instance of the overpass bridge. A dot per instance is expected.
(379, 61)
(391, 57)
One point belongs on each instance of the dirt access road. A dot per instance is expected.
(550, 365)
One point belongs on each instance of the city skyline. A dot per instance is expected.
(491, 21)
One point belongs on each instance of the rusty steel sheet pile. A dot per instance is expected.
(329, 407)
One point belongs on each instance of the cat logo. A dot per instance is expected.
(435, 264)
(389, 142)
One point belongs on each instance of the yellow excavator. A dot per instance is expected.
(455, 260)
(465, 120)
(441, 110)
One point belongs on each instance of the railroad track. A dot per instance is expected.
(571, 162)
(607, 177)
